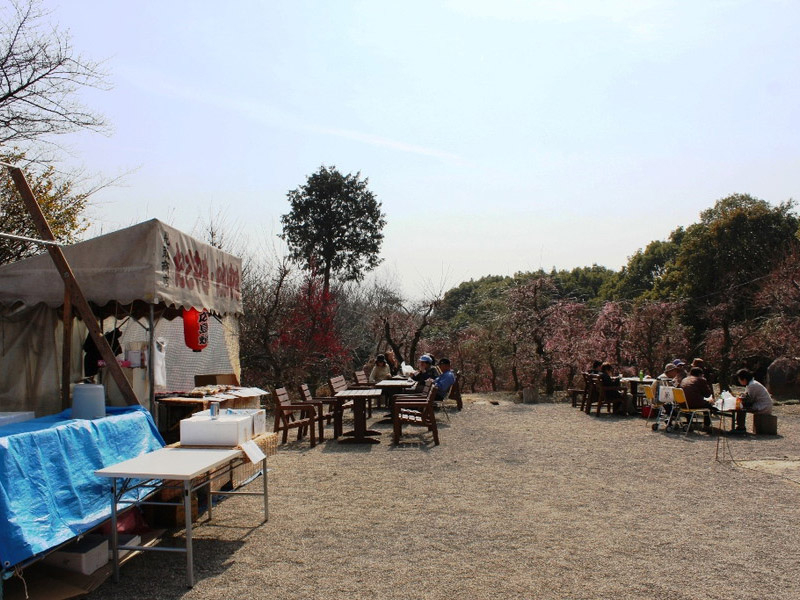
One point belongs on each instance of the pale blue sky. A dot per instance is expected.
(500, 135)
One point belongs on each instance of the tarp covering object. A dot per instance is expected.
(48, 490)
(150, 262)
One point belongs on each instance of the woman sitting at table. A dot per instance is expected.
(380, 371)
(756, 398)
(621, 403)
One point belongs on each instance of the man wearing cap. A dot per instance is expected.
(672, 373)
(444, 381)
(425, 372)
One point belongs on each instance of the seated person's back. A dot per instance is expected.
(444, 381)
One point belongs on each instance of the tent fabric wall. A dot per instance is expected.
(30, 358)
(221, 355)
(151, 262)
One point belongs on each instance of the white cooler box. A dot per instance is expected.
(258, 416)
(7, 418)
(85, 556)
(226, 430)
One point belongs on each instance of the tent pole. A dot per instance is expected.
(66, 350)
(151, 371)
(71, 285)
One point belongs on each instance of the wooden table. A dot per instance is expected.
(635, 382)
(360, 433)
(394, 384)
(188, 465)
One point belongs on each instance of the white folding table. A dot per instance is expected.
(181, 464)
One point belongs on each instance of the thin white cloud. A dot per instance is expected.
(555, 10)
(381, 142)
(262, 112)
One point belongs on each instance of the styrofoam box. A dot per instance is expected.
(123, 539)
(258, 416)
(84, 556)
(6, 418)
(226, 430)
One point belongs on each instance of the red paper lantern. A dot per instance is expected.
(195, 329)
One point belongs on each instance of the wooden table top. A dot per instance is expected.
(394, 383)
(364, 393)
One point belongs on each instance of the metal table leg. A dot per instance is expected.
(187, 507)
(114, 536)
(264, 472)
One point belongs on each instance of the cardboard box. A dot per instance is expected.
(226, 430)
(84, 556)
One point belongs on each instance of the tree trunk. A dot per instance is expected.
(549, 383)
(725, 365)
(514, 374)
(326, 281)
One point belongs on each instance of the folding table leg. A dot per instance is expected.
(114, 537)
(187, 507)
(266, 496)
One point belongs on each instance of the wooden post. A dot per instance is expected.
(66, 350)
(72, 287)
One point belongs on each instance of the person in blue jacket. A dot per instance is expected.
(444, 381)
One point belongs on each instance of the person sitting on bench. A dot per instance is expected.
(756, 398)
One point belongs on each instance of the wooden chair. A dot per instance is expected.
(591, 396)
(336, 408)
(285, 418)
(582, 392)
(455, 391)
(339, 383)
(415, 412)
(603, 396)
(360, 377)
(689, 413)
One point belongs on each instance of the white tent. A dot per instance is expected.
(149, 271)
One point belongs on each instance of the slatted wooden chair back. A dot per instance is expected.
(455, 391)
(590, 380)
(360, 377)
(333, 412)
(603, 396)
(282, 396)
(420, 413)
(337, 384)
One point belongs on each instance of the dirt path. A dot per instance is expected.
(519, 501)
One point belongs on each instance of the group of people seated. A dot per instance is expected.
(697, 390)
(386, 366)
(695, 386)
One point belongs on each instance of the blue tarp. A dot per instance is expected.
(48, 490)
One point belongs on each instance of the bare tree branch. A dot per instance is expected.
(40, 75)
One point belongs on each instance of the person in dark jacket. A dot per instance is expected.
(696, 389)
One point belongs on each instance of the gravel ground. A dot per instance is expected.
(519, 501)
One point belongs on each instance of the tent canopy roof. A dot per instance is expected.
(150, 262)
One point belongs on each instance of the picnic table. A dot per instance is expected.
(360, 434)
(635, 382)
